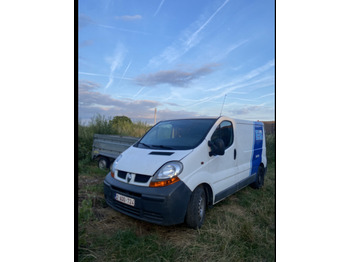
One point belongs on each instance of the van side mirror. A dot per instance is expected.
(217, 147)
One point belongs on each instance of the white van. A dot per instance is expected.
(179, 167)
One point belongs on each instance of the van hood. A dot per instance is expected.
(147, 161)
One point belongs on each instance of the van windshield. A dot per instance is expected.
(176, 134)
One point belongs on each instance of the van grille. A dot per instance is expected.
(138, 177)
(121, 174)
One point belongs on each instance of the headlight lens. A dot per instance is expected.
(114, 166)
(167, 174)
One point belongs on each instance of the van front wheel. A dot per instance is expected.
(196, 208)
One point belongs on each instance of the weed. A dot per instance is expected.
(85, 211)
(125, 245)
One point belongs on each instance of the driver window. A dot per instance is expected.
(225, 132)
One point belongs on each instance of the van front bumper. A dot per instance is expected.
(161, 205)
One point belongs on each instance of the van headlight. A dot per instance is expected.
(114, 166)
(167, 174)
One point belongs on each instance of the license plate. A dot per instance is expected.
(126, 200)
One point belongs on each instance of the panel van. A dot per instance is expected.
(180, 167)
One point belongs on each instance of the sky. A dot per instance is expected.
(198, 58)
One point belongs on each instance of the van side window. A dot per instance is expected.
(225, 132)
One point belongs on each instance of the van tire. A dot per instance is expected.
(196, 208)
(103, 162)
(259, 182)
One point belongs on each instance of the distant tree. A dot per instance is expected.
(120, 121)
(121, 125)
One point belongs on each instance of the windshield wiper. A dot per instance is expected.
(144, 145)
(163, 147)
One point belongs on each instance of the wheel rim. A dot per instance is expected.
(102, 164)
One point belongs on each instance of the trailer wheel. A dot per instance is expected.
(259, 182)
(196, 208)
(103, 162)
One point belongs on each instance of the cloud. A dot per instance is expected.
(181, 114)
(105, 26)
(86, 43)
(87, 85)
(92, 102)
(84, 20)
(128, 17)
(253, 112)
(246, 110)
(176, 78)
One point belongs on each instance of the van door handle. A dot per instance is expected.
(234, 154)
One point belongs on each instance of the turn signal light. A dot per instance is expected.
(112, 174)
(165, 182)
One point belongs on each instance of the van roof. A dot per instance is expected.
(241, 121)
(191, 118)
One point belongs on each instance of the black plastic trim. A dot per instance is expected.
(236, 187)
(162, 205)
(161, 153)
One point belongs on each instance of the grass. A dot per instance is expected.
(239, 228)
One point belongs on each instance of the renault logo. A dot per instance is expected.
(128, 177)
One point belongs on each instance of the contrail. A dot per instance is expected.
(126, 69)
(139, 92)
(189, 41)
(160, 5)
(117, 62)
(93, 74)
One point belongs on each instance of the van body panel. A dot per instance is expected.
(257, 147)
(147, 161)
(196, 170)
